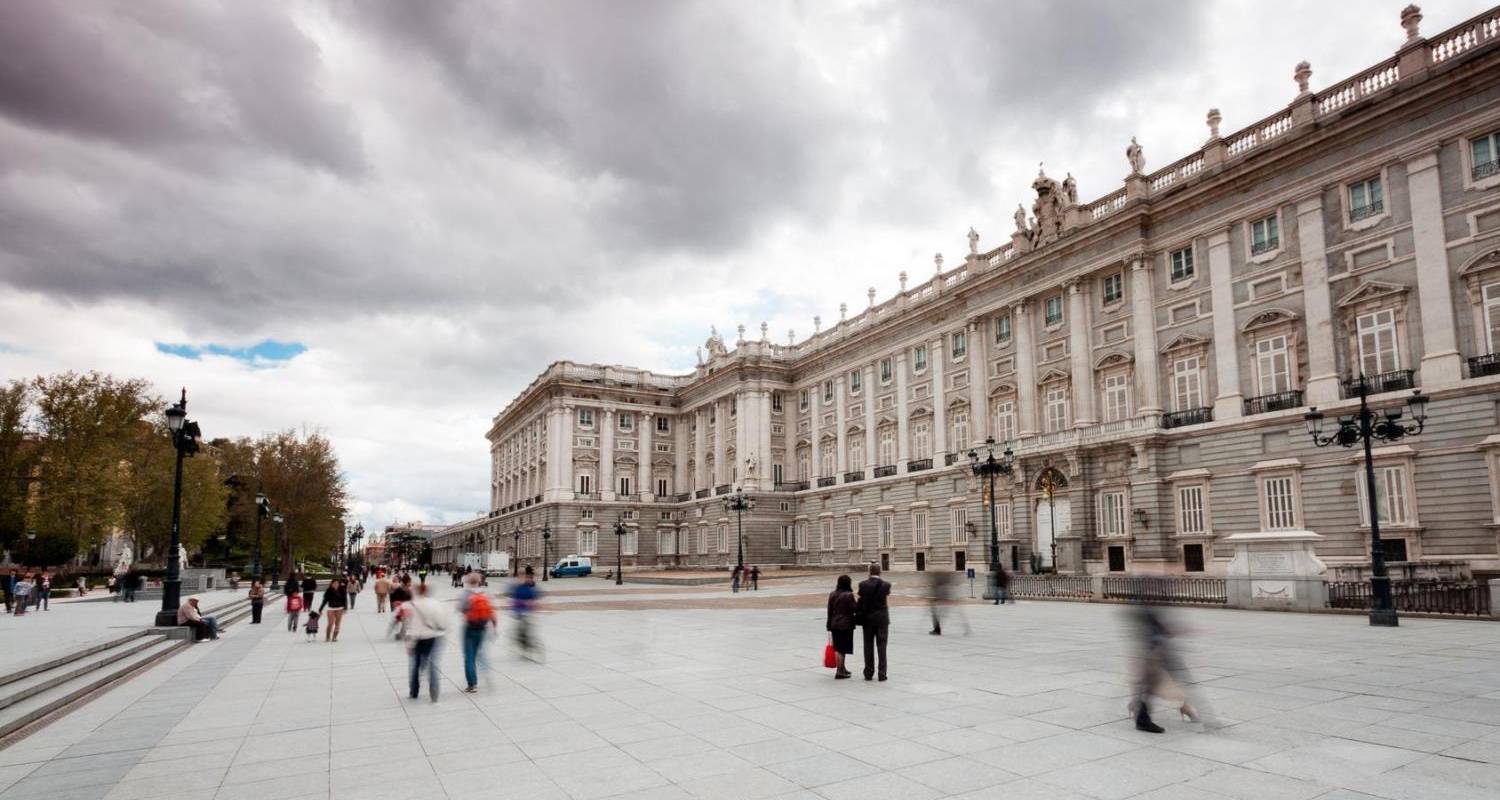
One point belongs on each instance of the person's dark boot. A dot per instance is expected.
(1143, 721)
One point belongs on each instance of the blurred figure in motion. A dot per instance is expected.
(422, 626)
(523, 599)
(943, 592)
(479, 619)
(1161, 672)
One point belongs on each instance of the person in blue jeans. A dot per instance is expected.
(421, 623)
(479, 620)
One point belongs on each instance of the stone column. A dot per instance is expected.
(1229, 403)
(1143, 319)
(721, 428)
(1021, 330)
(700, 451)
(735, 472)
(840, 407)
(903, 425)
(1317, 306)
(872, 455)
(979, 385)
(763, 467)
(815, 440)
(1081, 355)
(607, 453)
(939, 409)
(643, 470)
(565, 456)
(1441, 363)
(680, 454)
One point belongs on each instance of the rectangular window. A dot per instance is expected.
(919, 357)
(1391, 497)
(1264, 235)
(723, 539)
(856, 533)
(1002, 329)
(631, 542)
(887, 532)
(1113, 288)
(1190, 513)
(1279, 502)
(921, 439)
(661, 487)
(960, 430)
(803, 400)
(1116, 558)
(1492, 316)
(1272, 366)
(1005, 421)
(788, 534)
(856, 380)
(628, 514)
(1377, 342)
(802, 537)
(1112, 514)
(887, 448)
(857, 453)
(587, 513)
(828, 391)
(624, 485)
(1365, 199)
(776, 401)
(1053, 310)
(919, 529)
(586, 483)
(1002, 520)
(1187, 384)
(1116, 397)
(663, 425)
(1484, 152)
(1056, 409)
(776, 473)
(702, 541)
(588, 543)
(830, 461)
(585, 418)
(1192, 558)
(664, 516)
(825, 535)
(959, 524)
(804, 466)
(627, 421)
(960, 345)
(885, 370)
(666, 543)
(1182, 264)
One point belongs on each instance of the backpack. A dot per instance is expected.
(478, 611)
(294, 603)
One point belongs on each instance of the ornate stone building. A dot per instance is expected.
(1151, 352)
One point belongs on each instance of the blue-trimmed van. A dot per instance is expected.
(573, 565)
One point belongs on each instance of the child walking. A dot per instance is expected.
(293, 611)
(312, 626)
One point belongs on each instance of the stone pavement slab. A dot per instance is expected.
(732, 702)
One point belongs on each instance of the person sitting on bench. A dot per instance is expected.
(203, 627)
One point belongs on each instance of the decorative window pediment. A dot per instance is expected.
(958, 404)
(1269, 318)
(923, 410)
(1186, 341)
(1480, 264)
(1368, 291)
(1113, 360)
(1051, 375)
(1002, 389)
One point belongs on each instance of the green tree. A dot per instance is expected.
(18, 451)
(150, 474)
(300, 474)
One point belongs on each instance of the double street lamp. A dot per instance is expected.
(185, 434)
(988, 467)
(1366, 427)
(262, 510)
(739, 503)
(515, 550)
(546, 550)
(279, 541)
(620, 531)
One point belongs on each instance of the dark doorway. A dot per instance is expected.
(921, 562)
(1116, 558)
(1395, 549)
(885, 562)
(960, 561)
(1192, 558)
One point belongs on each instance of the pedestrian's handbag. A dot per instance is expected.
(830, 659)
(294, 604)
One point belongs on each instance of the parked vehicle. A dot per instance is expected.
(471, 561)
(497, 563)
(573, 565)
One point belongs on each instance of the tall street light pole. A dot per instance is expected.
(278, 534)
(262, 510)
(1049, 486)
(739, 503)
(987, 468)
(546, 550)
(1365, 428)
(515, 550)
(185, 435)
(619, 552)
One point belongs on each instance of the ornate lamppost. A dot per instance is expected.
(739, 503)
(1049, 487)
(988, 467)
(185, 435)
(1364, 428)
(546, 550)
(278, 541)
(619, 552)
(515, 550)
(262, 510)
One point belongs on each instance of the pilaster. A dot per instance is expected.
(979, 407)
(1021, 329)
(840, 406)
(1143, 323)
(1441, 363)
(643, 469)
(1229, 403)
(903, 425)
(700, 450)
(939, 411)
(1081, 355)
(872, 456)
(1317, 310)
(607, 453)
(815, 433)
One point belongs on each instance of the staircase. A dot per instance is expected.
(34, 695)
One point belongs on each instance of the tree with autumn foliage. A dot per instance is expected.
(299, 473)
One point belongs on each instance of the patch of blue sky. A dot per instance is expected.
(263, 352)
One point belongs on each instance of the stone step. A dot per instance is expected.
(55, 697)
(77, 664)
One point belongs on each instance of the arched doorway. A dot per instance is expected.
(1053, 515)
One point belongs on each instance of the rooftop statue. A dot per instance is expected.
(1136, 156)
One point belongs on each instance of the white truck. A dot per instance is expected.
(470, 561)
(497, 563)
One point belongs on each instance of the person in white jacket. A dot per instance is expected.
(422, 623)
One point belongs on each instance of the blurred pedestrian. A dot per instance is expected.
(944, 592)
(309, 588)
(129, 584)
(421, 621)
(842, 608)
(312, 626)
(293, 609)
(353, 585)
(401, 592)
(43, 591)
(382, 591)
(257, 601)
(755, 578)
(335, 600)
(22, 591)
(10, 589)
(734, 578)
(1160, 671)
(524, 597)
(479, 620)
(875, 617)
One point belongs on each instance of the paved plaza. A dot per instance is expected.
(639, 697)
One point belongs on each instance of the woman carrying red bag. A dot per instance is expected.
(841, 607)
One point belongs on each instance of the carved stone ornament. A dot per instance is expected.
(1411, 20)
(1214, 118)
(1301, 75)
(973, 242)
(1136, 155)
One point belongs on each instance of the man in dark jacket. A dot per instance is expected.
(875, 616)
(309, 588)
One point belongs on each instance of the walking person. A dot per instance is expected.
(875, 617)
(335, 600)
(309, 588)
(257, 601)
(734, 579)
(841, 610)
(479, 620)
(401, 593)
(44, 591)
(382, 591)
(293, 609)
(131, 581)
(944, 592)
(755, 578)
(351, 582)
(22, 591)
(10, 590)
(1161, 672)
(421, 621)
(524, 597)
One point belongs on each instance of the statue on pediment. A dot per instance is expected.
(1049, 209)
(715, 343)
(1136, 156)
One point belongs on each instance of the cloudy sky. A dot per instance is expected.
(381, 218)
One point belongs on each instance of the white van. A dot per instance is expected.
(573, 565)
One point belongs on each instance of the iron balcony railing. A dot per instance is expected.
(854, 476)
(683, 497)
(1367, 210)
(792, 486)
(1486, 169)
(1190, 416)
(950, 459)
(1265, 245)
(918, 464)
(722, 488)
(1393, 381)
(701, 493)
(1466, 599)
(632, 498)
(885, 471)
(585, 495)
(1480, 366)
(1280, 401)
(827, 481)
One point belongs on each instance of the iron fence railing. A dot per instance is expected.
(827, 481)
(854, 476)
(1393, 381)
(1488, 364)
(1367, 210)
(722, 488)
(791, 486)
(950, 459)
(1456, 598)
(885, 471)
(1165, 589)
(1190, 416)
(918, 464)
(1280, 401)
(700, 494)
(1074, 586)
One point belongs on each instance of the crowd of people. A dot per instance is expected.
(27, 591)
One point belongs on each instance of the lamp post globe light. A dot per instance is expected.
(31, 537)
(262, 510)
(278, 535)
(546, 550)
(988, 467)
(185, 436)
(1365, 427)
(739, 503)
(619, 552)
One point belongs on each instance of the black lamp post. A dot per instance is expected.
(262, 510)
(1364, 428)
(1049, 486)
(739, 503)
(515, 550)
(619, 552)
(546, 550)
(185, 435)
(31, 537)
(988, 467)
(278, 536)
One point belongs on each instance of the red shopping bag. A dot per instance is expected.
(830, 660)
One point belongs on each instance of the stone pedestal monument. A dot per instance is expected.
(1276, 570)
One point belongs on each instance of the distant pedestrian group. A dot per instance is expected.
(27, 591)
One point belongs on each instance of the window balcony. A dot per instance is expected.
(793, 486)
(1480, 366)
(682, 498)
(886, 471)
(854, 476)
(949, 459)
(585, 495)
(701, 493)
(722, 488)
(1366, 211)
(1265, 245)
(1393, 381)
(1280, 401)
(1487, 169)
(828, 481)
(1191, 416)
(628, 498)
(918, 464)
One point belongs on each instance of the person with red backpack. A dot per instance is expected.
(293, 608)
(479, 619)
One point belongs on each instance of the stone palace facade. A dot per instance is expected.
(1151, 353)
